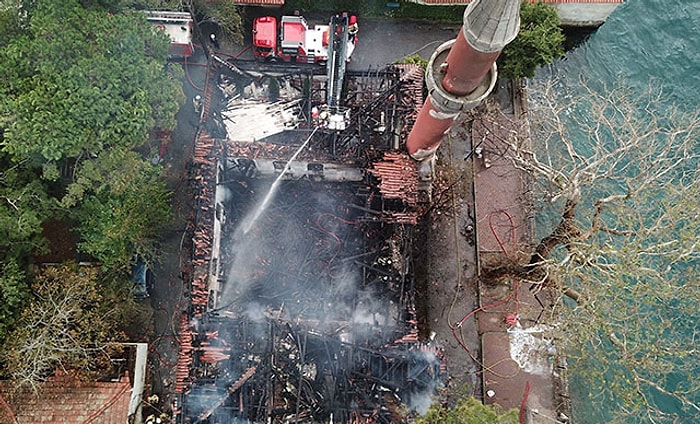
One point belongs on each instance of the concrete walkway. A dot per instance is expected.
(517, 359)
(490, 330)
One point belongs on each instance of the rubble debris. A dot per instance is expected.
(398, 177)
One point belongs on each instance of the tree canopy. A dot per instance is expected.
(24, 205)
(540, 41)
(64, 325)
(617, 178)
(125, 204)
(84, 87)
(468, 411)
(13, 294)
(80, 81)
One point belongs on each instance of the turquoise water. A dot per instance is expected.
(644, 43)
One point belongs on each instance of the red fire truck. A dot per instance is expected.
(293, 39)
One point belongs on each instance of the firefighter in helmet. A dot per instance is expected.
(353, 28)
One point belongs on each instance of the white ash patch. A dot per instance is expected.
(531, 350)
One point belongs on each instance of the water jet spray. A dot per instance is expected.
(250, 220)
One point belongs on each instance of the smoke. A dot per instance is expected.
(292, 261)
(373, 311)
(255, 312)
(421, 401)
(245, 266)
(223, 195)
(426, 388)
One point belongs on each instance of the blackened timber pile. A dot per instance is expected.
(216, 381)
(309, 377)
(232, 389)
(321, 305)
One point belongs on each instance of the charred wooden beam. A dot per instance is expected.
(231, 389)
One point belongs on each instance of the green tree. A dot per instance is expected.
(81, 88)
(11, 19)
(74, 115)
(414, 59)
(78, 81)
(66, 325)
(13, 293)
(539, 42)
(24, 205)
(124, 204)
(468, 411)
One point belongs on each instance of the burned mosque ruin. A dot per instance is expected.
(302, 303)
(302, 299)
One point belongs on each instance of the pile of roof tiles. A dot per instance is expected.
(398, 179)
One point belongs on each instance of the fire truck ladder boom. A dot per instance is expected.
(337, 58)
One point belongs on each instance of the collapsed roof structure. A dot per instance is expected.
(301, 286)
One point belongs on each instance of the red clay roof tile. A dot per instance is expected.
(64, 403)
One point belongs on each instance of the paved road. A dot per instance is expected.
(383, 41)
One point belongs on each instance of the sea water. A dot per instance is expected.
(643, 43)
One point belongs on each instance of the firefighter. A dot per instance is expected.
(214, 41)
(353, 28)
(197, 103)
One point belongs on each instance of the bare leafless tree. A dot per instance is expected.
(616, 172)
(66, 327)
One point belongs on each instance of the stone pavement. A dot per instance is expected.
(518, 361)
(483, 220)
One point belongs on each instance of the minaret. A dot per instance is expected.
(462, 72)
